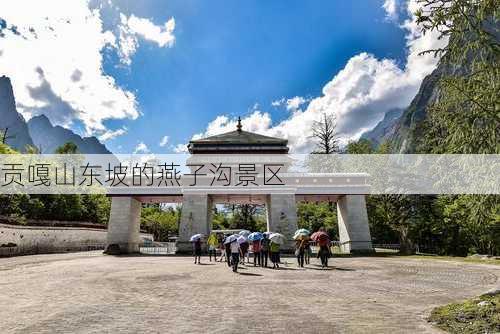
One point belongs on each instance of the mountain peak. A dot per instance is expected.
(18, 136)
(49, 137)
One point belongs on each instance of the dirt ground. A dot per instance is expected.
(95, 293)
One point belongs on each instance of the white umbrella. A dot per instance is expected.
(241, 239)
(245, 233)
(196, 237)
(277, 238)
(231, 238)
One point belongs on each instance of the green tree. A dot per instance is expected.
(67, 148)
(312, 216)
(362, 146)
(465, 117)
(160, 221)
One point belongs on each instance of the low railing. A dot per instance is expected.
(158, 248)
(43, 249)
(388, 246)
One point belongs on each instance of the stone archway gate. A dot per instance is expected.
(347, 190)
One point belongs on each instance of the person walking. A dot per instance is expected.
(227, 248)
(274, 249)
(300, 246)
(324, 248)
(235, 255)
(244, 246)
(307, 252)
(222, 248)
(197, 251)
(212, 246)
(264, 250)
(256, 252)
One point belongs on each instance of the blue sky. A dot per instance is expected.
(182, 68)
(229, 55)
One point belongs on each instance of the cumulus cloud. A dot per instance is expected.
(132, 28)
(53, 53)
(358, 96)
(295, 102)
(141, 148)
(164, 141)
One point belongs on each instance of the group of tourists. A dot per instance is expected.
(235, 248)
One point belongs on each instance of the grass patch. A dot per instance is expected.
(477, 315)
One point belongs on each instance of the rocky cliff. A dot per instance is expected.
(18, 136)
(385, 129)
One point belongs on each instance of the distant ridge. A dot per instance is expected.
(48, 137)
(385, 129)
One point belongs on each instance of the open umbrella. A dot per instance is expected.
(241, 239)
(255, 236)
(302, 231)
(267, 234)
(301, 234)
(245, 233)
(231, 238)
(277, 238)
(196, 237)
(320, 235)
(301, 237)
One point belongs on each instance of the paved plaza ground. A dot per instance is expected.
(94, 293)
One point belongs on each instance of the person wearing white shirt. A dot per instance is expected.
(235, 255)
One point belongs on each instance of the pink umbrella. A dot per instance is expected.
(320, 235)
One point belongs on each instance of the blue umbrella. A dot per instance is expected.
(255, 236)
(196, 237)
(231, 238)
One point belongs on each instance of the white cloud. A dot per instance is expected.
(277, 103)
(294, 103)
(181, 148)
(133, 27)
(391, 9)
(291, 104)
(141, 148)
(110, 134)
(358, 96)
(164, 141)
(53, 53)
(54, 59)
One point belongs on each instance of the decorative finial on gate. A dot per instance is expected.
(238, 127)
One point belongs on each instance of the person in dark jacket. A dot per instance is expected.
(300, 248)
(324, 249)
(264, 251)
(244, 246)
(227, 246)
(197, 251)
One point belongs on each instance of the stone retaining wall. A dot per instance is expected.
(18, 240)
